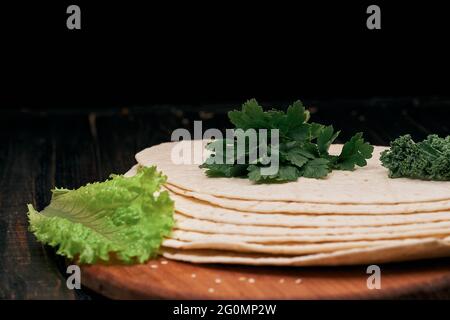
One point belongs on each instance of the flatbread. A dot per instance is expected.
(307, 208)
(132, 172)
(201, 210)
(411, 249)
(204, 211)
(278, 249)
(283, 234)
(312, 208)
(205, 233)
(204, 238)
(367, 185)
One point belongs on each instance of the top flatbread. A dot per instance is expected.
(313, 208)
(367, 185)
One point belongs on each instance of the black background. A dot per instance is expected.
(143, 53)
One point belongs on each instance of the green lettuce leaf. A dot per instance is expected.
(126, 216)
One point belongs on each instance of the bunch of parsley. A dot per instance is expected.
(303, 147)
(427, 160)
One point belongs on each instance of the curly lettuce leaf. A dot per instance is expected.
(127, 217)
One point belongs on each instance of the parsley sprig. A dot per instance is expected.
(303, 147)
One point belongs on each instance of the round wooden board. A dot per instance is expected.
(167, 279)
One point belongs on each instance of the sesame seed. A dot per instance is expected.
(164, 262)
(193, 275)
(154, 266)
(218, 280)
(297, 281)
(251, 280)
(242, 278)
(211, 290)
(281, 281)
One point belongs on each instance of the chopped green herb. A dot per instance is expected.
(426, 160)
(303, 147)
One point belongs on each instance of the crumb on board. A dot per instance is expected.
(154, 266)
(297, 281)
(281, 280)
(218, 280)
(251, 280)
(164, 262)
(211, 290)
(193, 275)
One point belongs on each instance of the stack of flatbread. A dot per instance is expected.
(350, 217)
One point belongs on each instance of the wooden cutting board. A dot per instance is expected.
(167, 279)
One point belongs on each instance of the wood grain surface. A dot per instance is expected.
(41, 149)
(167, 279)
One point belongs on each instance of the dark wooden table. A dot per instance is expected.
(68, 148)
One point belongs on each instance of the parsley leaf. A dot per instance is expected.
(325, 138)
(355, 152)
(317, 168)
(298, 156)
(224, 170)
(285, 173)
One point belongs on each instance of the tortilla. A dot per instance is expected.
(132, 171)
(367, 185)
(205, 238)
(204, 211)
(405, 250)
(323, 235)
(278, 249)
(312, 208)
(280, 234)
(307, 208)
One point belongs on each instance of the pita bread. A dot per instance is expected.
(367, 185)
